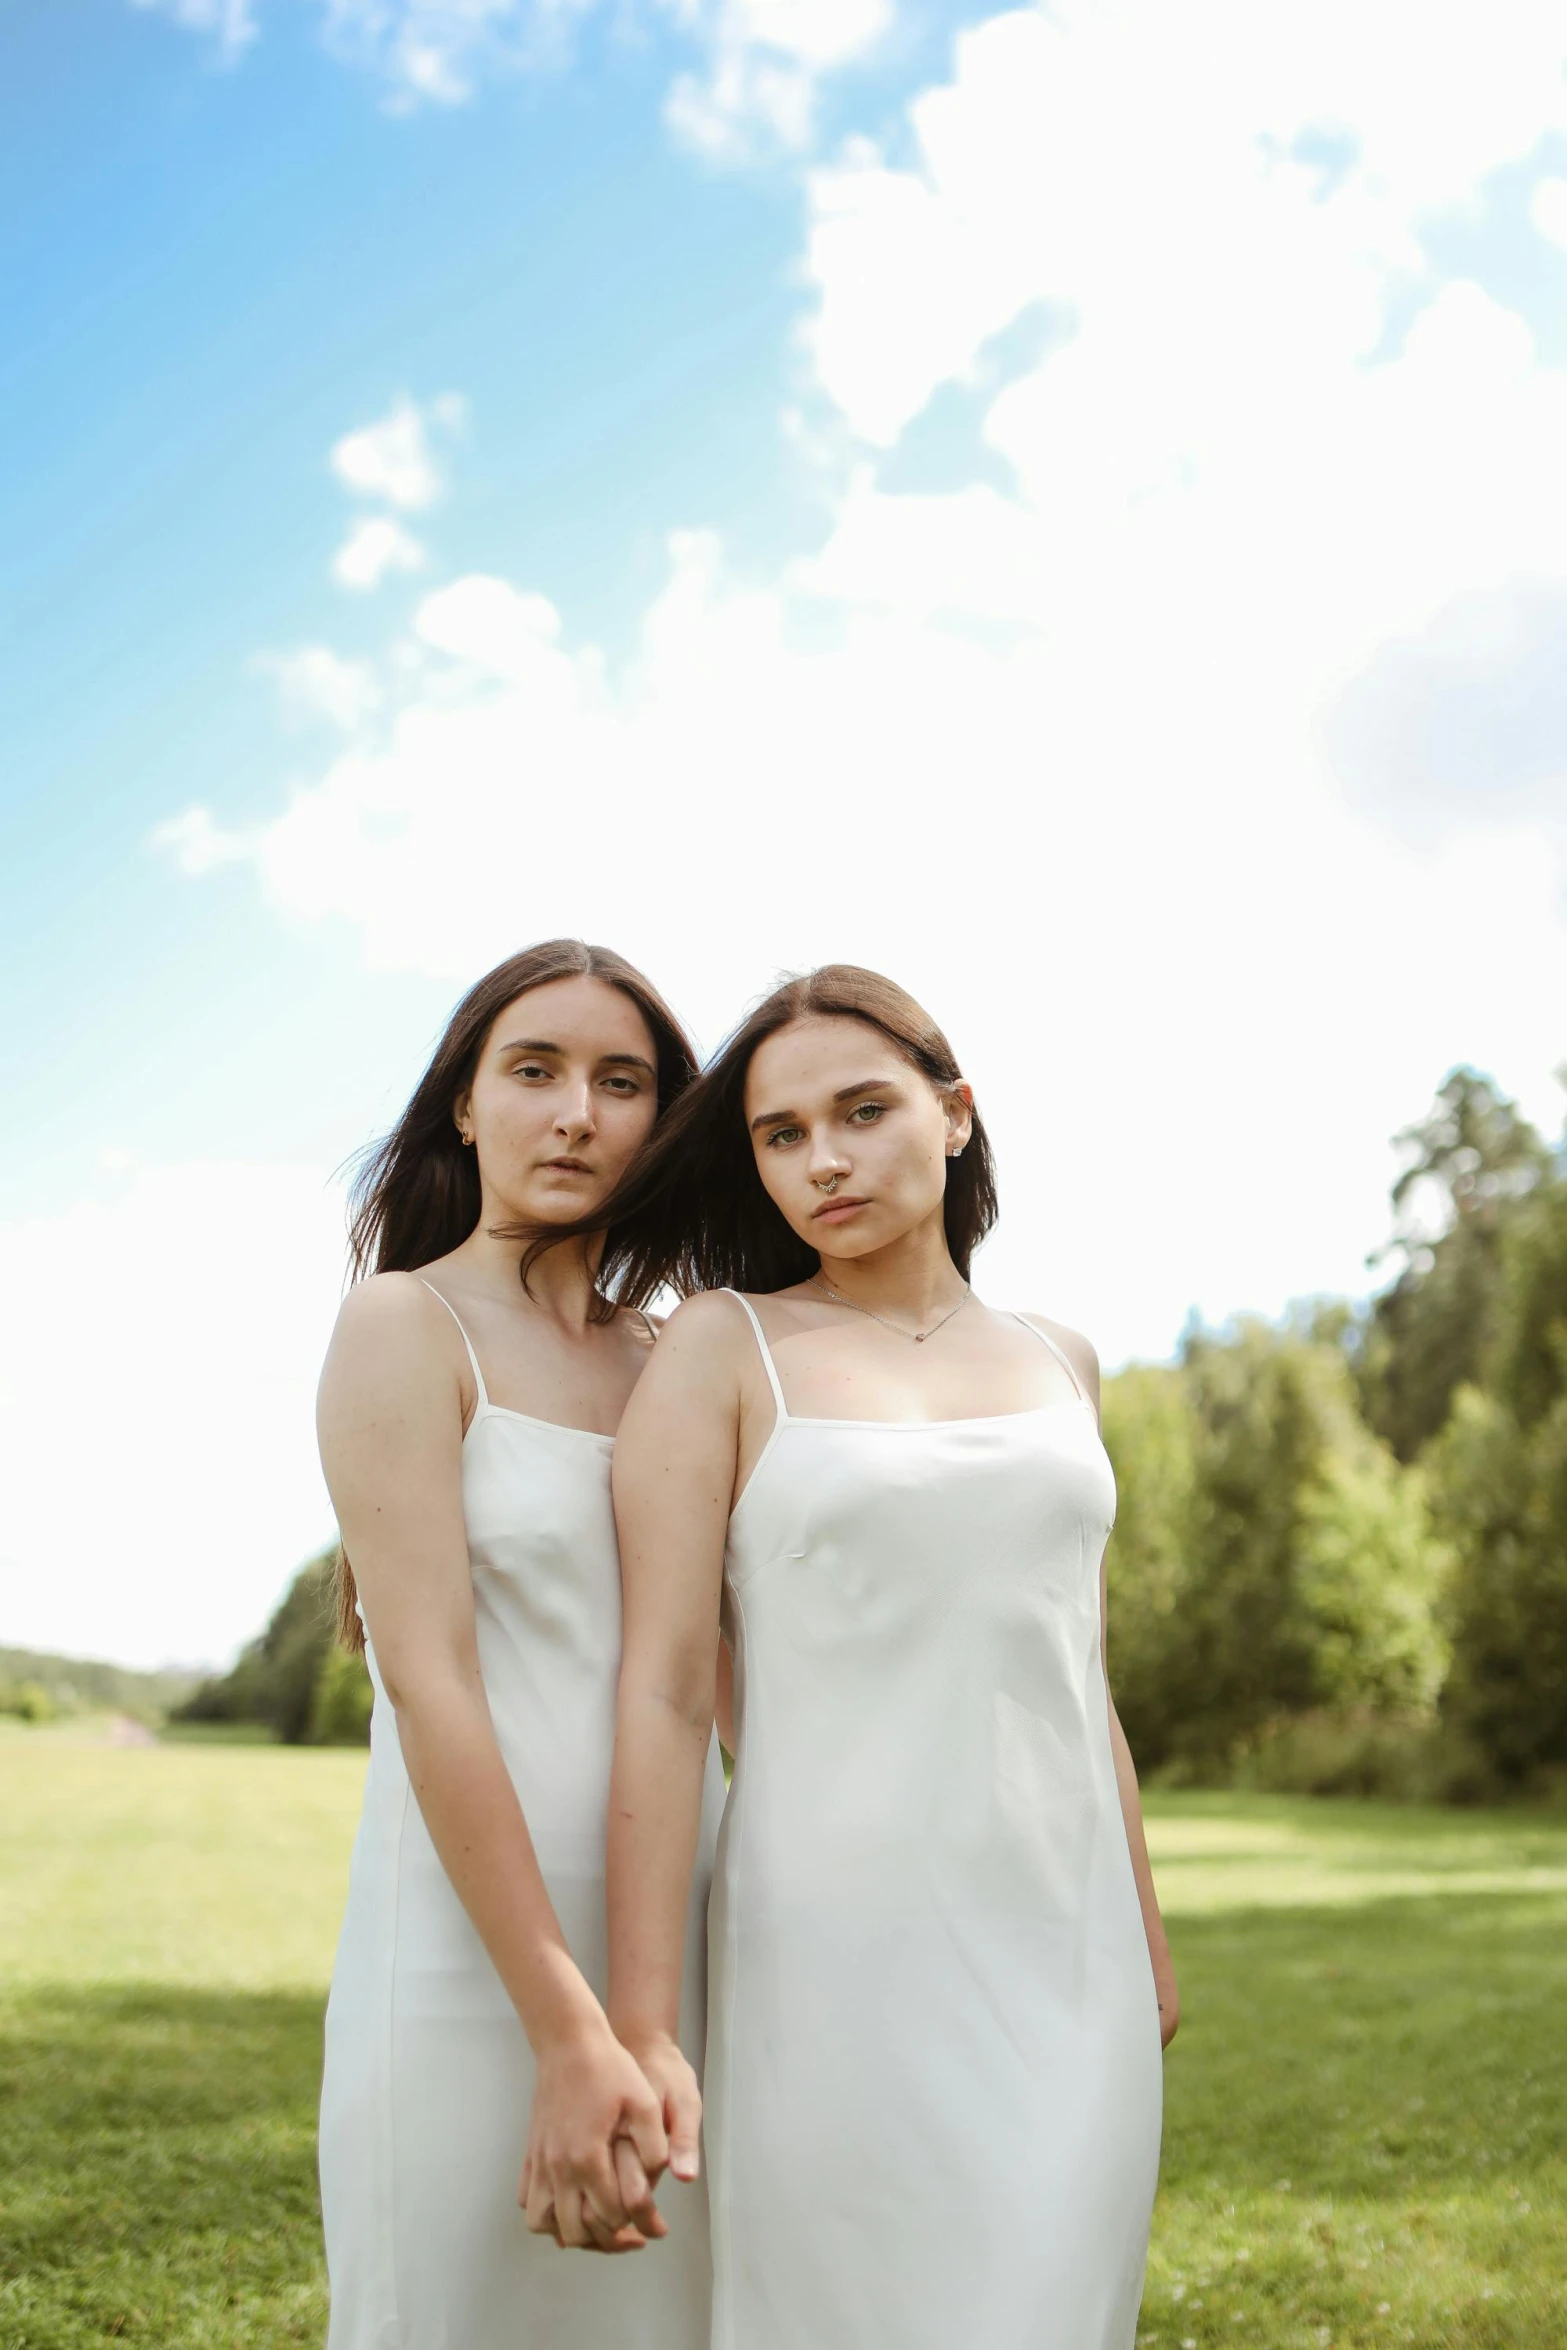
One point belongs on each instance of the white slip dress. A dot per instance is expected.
(934, 2085)
(429, 2076)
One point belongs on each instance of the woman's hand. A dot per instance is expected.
(674, 2084)
(596, 2146)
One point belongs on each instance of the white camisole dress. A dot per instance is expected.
(933, 2076)
(429, 2076)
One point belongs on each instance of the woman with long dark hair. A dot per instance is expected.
(467, 1419)
(940, 1981)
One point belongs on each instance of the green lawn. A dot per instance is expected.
(1366, 2140)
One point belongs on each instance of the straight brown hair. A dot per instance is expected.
(693, 1205)
(415, 1194)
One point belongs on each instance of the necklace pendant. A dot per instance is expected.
(920, 1337)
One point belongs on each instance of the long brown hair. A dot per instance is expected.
(693, 1204)
(415, 1194)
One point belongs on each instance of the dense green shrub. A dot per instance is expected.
(1150, 1433)
(1500, 1470)
(341, 1702)
(1399, 1759)
(1340, 1562)
(28, 1701)
(1271, 1558)
(276, 1679)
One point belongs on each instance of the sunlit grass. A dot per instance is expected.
(216, 1865)
(1217, 1852)
(1365, 2143)
(1367, 2126)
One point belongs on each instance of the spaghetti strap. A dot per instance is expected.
(1045, 1339)
(484, 1394)
(768, 1364)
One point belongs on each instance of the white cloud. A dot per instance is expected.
(488, 624)
(762, 59)
(766, 59)
(159, 1487)
(374, 546)
(1056, 757)
(197, 845)
(1137, 161)
(1548, 210)
(315, 682)
(231, 23)
(1225, 469)
(1177, 967)
(393, 458)
(436, 52)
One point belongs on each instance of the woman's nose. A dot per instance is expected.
(827, 1159)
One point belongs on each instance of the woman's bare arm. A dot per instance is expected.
(674, 1486)
(1142, 1869)
(389, 1418)
(1085, 1362)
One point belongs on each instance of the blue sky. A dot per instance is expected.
(215, 270)
(1063, 502)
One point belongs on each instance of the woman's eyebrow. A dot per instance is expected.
(539, 1044)
(845, 1093)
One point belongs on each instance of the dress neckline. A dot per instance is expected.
(500, 1411)
(1032, 1411)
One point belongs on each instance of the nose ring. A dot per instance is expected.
(830, 1185)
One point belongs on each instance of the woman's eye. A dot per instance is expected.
(622, 1085)
(867, 1113)
(784, 1134)
(531, 1069)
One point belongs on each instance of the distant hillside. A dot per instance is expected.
(74, 1681)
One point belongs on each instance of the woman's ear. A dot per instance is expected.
(462, 1116)
(960, 1117)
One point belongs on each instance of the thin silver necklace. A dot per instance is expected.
(918, 1336)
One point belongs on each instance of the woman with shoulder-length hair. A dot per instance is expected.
(940, 1981)
(467, 1418)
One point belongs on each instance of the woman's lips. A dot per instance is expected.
(836, 1210)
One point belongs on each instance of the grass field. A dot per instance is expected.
(1366, 2135)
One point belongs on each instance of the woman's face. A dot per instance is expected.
(565, 1092)
(832, 1097)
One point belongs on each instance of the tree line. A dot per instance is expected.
(37, 1686)
(1340, 1562)
(1340, 1557)
(293, 1679)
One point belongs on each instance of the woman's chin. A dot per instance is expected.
(845, 1240)
(552, 1205)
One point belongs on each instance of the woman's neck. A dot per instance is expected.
(913, 1277)
(561, 1282)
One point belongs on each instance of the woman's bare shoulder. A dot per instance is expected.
(705, 1339)
(385, 1304)
(1078, 1350)
(712, 1318)
(393, 1329)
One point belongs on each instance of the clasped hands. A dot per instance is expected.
(606, 2124)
